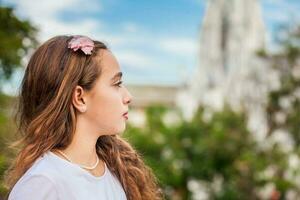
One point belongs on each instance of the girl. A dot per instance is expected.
(72, 108)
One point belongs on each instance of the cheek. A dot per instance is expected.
(106, 113)
(106, 105)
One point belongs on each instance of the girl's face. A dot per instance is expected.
(109, 99)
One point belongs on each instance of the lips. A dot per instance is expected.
(125, 115)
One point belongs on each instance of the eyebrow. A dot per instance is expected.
(117, 75)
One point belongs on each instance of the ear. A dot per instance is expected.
(79, 99)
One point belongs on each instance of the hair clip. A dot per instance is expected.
(81, 42)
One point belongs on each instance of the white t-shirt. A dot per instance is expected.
(53, 178)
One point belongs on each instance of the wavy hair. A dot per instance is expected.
(46, 117)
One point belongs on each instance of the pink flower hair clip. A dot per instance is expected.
(81, 42)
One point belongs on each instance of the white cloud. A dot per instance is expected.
(274, 15)
(184, 47)
(165, 53)
(44, 15)
(134, 59)
(280, 11)
(134, 46)
(130, 27)
(54, 27)
(37, 10)
(117, 40)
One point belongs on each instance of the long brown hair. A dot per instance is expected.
(46, 117)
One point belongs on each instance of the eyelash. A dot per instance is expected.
(119, 83)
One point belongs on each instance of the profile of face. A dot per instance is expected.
(102, 108)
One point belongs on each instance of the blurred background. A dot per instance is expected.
(216, 86)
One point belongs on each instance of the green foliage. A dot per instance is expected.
(285, 101)
(288, 91)
(204, 150)
(289, 88)
(16, 38)
(7, 130)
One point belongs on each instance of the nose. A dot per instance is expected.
(128, 97)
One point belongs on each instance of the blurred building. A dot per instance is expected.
(146, 95)
(230, 70)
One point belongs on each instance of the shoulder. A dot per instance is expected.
(39, 181)
(34, 186)
(44, 167)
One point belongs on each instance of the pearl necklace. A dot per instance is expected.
(82, 166)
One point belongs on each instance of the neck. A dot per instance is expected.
(82, 149)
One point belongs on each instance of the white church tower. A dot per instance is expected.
(230, 70)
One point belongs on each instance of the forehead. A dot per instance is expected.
(109, 64)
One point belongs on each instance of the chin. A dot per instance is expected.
(118, 130)
(121, 129)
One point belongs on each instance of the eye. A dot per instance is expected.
(119, 83)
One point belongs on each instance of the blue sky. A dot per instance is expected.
(156, 42)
